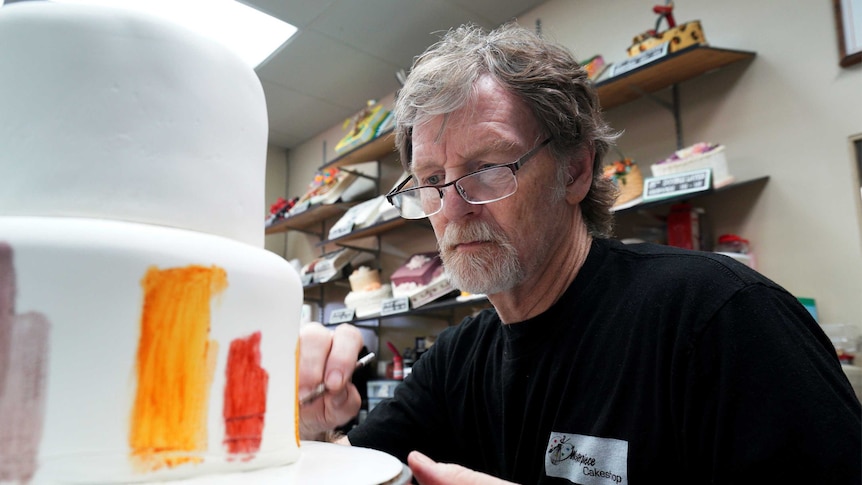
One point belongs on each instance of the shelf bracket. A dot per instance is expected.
(318, 300)
(672, 106)
(375, 251)
(363, 175)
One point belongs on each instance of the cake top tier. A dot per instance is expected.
(112, 114)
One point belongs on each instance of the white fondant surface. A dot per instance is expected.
(84, 276)
(109, 114)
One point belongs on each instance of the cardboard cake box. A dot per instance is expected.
(422, 279)
(419, 269)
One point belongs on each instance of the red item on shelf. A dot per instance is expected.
(683, 227)
(397, 362)
(732, 243)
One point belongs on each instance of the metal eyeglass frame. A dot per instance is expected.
(514, 167)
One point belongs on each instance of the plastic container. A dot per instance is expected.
(397, 368)
(379, 390)
(731, 243)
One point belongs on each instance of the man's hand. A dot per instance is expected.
(329, 357)
(428, 472)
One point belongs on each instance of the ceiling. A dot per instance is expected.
(348, 51)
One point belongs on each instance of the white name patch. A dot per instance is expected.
(587, 460)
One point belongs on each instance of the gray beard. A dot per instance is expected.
(494, 269)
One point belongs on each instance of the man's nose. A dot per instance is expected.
(454, 205)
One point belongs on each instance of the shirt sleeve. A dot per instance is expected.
(415, 418)
(765, 399)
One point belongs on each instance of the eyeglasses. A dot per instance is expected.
(483, 186)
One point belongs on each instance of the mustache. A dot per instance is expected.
(465, 233)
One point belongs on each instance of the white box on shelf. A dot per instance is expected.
(714, 160)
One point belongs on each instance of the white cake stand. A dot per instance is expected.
(322, 464)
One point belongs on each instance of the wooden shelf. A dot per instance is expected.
(372, 230)
(342, 280)
(445, 304)
(675, 68)
(685, 197)
(375, 149)
(309, 217)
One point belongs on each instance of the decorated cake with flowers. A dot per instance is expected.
(323, 182)
(627, 176)
(330, 185)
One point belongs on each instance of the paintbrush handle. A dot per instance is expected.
(320, 389)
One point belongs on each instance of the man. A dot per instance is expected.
(600, 363)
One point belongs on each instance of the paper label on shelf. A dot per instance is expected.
(391, 306)
(434, 290)
(677, 184)
(299, 209)
(639, 60)
(342, 315)
(342, 230)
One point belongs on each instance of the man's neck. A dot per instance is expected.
(547, 284)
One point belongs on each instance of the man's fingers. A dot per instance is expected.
(328, 356)
(315, 342)
(342, 406)
(428, 472)
(346, 344)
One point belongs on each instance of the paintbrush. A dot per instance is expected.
(321, 388)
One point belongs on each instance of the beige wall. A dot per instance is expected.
(788, 114)
(276, 186)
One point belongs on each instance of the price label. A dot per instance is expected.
(391, 306)
(431, 292)
(337, 232)
(342, 315)
(677, 184)
(641, 59)
(300, 208)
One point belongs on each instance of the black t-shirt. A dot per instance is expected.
(657, 365)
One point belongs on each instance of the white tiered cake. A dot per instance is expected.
(145, 334)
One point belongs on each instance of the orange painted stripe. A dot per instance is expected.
(175, 364)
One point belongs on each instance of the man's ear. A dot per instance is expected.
(580, 175)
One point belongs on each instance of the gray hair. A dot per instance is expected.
(544, 75)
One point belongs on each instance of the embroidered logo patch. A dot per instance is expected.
(587, 460)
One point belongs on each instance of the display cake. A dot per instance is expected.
(363, 215)
(145, 333)
(676, 37)
(422, 279)
(628, 179)
(365, 126)
(331, 185)
(331, 266)
(366, 292)
(699, 156)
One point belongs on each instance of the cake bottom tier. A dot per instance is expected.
(133, 352)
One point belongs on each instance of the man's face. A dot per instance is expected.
(494, 247)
